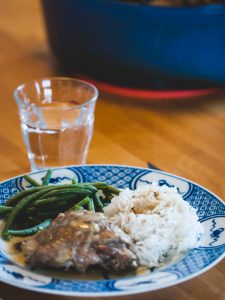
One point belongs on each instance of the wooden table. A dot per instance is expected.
(187, 139)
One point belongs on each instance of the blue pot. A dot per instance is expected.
(137, 45)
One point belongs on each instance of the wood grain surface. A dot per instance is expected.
(185, 138)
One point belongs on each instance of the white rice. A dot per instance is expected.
(158, 220)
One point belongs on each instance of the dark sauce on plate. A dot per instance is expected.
(93, 273)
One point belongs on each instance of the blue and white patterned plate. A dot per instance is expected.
(210, 209)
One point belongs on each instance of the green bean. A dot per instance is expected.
(60, 204)
(99, 185)
(24, 203)
(86, 185)
(48, 201)
(103, 185)
(31, 210)
(12, 201)
(108, 195)
(113, 190)
(48, 214)
(4, 210)
(80, 204)
(91, 206)
(97, 202)
(51, 200)
(63, 205)
(86, 201)
(30, 231)
(64, 192)
(31, 180)
(78, 208)
(47, 178)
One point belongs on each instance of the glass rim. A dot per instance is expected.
(57, 78)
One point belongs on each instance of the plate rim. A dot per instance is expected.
(118, 165)
(114, 293)
(125, 292)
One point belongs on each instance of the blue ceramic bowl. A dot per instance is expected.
(137, 45)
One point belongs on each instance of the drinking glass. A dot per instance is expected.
(57, 117)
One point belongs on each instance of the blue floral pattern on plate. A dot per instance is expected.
(210, 209)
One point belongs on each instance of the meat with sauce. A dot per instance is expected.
(79, 240)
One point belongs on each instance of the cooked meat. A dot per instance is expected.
(79, 240)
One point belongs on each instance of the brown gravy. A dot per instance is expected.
(93, 274)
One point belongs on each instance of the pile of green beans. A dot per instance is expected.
(33, 209)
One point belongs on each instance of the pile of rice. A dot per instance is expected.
(160, 223)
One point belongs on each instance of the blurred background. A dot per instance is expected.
(160, 71)
(158, 45)
(161, 74)
(124, 46)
